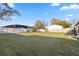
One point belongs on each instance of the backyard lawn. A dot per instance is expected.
(38, 44)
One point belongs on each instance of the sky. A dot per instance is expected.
(31, 12)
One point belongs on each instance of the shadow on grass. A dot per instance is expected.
(18, 45)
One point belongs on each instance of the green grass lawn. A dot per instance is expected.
(41, 44)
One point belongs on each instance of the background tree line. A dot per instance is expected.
(40, 24)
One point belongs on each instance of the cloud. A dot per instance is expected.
(11, 5)
(69, 15)
(55, 4)
(68, 18)
(72, 6)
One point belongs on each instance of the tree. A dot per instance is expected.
(6, 12)
(39, 24)
(34, 29)
(54, 21)
(60, 22)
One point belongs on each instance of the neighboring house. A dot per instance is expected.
(17, 28)
(55, 28)
(41, 30)
(29, 30)
(3, 30)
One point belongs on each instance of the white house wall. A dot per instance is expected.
(15, 30)
(55, 28)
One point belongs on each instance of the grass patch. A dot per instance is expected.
(38, 44)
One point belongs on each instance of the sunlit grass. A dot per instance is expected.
(47, 34)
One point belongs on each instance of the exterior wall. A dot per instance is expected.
(55, 28)
(16, 30)
(77, 29)
(3, 30)
(41, 30)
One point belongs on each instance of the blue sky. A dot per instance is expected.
(30, 12)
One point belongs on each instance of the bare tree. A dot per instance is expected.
(6, 12)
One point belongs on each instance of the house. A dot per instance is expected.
(77, 29)
(28, 30)
(3, 30)
(55, 28)
(17, 28)
(77, 26)
(41, 30)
